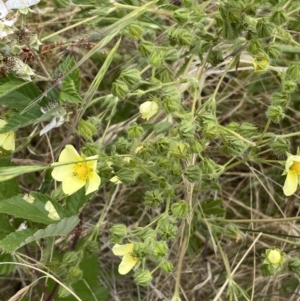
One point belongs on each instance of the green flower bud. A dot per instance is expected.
(181, 15)
(135, 131)
(134, 31)
(280, 99)
(15, 49)
(274, 257)
(196, 146)
(255, 47)
(157, 58)
(146, 152)
(153, 198)
(233, 232)
(171, 55)
(147, 234)
(215, 57)
(120, 89)
(211, 130)
(146, 49)
(211, 169)
(180, 209)
(193, 173)
(261, 63)
(234, 126)
(142, 277)
(171, 99)
(231, 30)
(264, 28)
(267, 270)
(131, 77)
(178, 150)
(166, 266)
(187, 129)
(248, 130)
(294, 266)
(126, 176)
(86, 129)
(275, 113)
(273, 51)
(293, 71)
(278, 17)
(162, 145)
(74, 274)
(160, 248)
(167, 231)
(122, 146)
(91, 247)
(140, 250)
(175, 169)
(234, 147)
(63, 292)
(280, 146)
(289, 86)
(164, 75)
(118, 230)
(71, 258)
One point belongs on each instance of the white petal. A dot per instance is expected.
(48, 127)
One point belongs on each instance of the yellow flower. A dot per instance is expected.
(76, 175)
(52, 211)
(292, 170)
(148, 109)
(260, 63)
(7, 140)
(128, 261)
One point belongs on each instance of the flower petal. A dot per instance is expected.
(93, 183)
(121, 250)
(52, 211)
(71, 184)
(59, 173)
(69, 154)
(127, 263)
(9, 142)
(290, 184)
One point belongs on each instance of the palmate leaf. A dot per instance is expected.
(18, 239)
(34, 212)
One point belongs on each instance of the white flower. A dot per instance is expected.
(20, 4)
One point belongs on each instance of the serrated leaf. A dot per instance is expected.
(21, 120)
(69, 93)
(34, 212)
(11, 86)
(18, 239)
(75, 202)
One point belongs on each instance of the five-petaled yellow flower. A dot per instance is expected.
(292, 172)
(148, 109)
(128, 261)
(74, 176)
(7, 140)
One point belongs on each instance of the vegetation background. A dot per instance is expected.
(195, 182)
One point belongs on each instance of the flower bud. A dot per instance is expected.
(171, 55)
(164, 75)
(267, 270)
(280, 99)
(181, 15)
(255, 47)
(122, 146)
(234, 147)
(120, 89)
(273, 51)
(289, 86)
(211, 130)
(142, 277)
(210, 169)
(147, 234)
(153, 198)
(275, 113)
(264, 28)
(160, 248)
(92, 247)
(261, 63)
(178, 150)
(126, 176)
(196, 146)
(146, 49)
(233, 232)
(131, 77)
(293, 71)
(71, 258)
(274, 257)
(162, 145)
(166, 266)
(86, 129)
(248, 130)
(63, 292)
(278, 17)
(180, 209)
(193, 173)
(134, 31)
(135, 131)
(187, 129)
(118, 230)
(157, 58)
(148, 109)
(167, 230)
(74, 274)
(280, 146)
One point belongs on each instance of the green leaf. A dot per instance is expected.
(10, 172)
(18, 239)
(69, 93)
(11, 86)
(75, 202)
(5, 226)
(11, 187)
(34, 212)
(88, 288)
(6, 269)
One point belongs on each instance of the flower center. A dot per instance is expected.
(296, 167)
(81, 170)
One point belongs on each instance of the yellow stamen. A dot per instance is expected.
(81, 170)
(295, 167)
